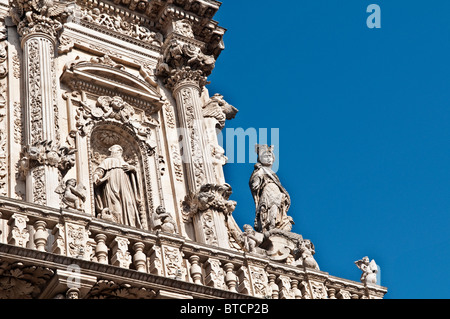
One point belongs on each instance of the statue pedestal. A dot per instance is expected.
(280, 244)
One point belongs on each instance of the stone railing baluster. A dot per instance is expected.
(41, 235)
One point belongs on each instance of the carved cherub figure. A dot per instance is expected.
(307, 251)
(74, 194)
(251, 238)
(163, 221)
(369, 269)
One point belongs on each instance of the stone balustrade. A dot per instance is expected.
(82, 237)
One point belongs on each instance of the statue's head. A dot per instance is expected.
(160, 210)
(71, 182)
(116, 151)
(265, 154)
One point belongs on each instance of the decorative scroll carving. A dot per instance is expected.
(184, 27)
(259, 281)
(77, 241)
(177, 163)
(16, 65)
(3, 113)
(118, 24)
(318, 290)
(173, 262)
(115, 109)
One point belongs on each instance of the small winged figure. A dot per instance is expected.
(369, 269)
(50, 8)
(74, 194)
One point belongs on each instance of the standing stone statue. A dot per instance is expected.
(271, 199)
(116, 189)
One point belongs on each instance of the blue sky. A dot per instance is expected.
(364, 124)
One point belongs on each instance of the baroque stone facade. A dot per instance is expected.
(111, 173)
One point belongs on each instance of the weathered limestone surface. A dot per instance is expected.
(111, 170)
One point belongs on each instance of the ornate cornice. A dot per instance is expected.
(158, 15)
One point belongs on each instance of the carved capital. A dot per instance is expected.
(40, 17)
(184, 63)
(46, 153)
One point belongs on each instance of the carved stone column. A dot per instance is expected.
(184, 69)
(39, 25)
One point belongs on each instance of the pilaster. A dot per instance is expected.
(38, 26)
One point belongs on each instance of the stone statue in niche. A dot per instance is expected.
(271, 199)
(369, 269)
(117, 191)
(73, 194)
(163, 221)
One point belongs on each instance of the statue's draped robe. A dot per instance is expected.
(119, 192)
(270, 196)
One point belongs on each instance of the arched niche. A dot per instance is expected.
(101, 139)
